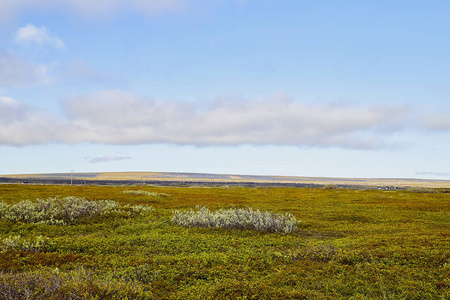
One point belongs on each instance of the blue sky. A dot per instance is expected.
(307, 88)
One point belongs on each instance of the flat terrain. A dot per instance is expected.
(349, 244)
(168, 178)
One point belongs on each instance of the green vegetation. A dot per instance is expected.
(422, 190)
(349, 244)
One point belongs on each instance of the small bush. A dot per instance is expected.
(242, 218)
(140, 209)
(66, 210)
(17, 243)
(330, 186)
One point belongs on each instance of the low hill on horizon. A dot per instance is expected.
(149, 177)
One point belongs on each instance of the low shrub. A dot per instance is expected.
(139, 209)
(15, 242)
(328, 253)
(330, 186)
(236, 218)
(422, 190)
(76, 284)
(66, 210)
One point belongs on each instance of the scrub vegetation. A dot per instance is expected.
(66, 210)
(236, 218)
(341, 244)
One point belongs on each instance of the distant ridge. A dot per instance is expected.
(167, 178)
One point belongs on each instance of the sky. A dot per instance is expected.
(258, 87)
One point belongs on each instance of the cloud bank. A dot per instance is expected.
(123, 118)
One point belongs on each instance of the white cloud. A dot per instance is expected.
(123, 118)
(12, 111)
(16, 72)
(106, 159)
(118, 117)
(7, 101)
(21, 124)
(38, 35)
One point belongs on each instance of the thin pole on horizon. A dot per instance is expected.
(71, 175)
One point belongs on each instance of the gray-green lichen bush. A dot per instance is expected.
(140, 209)
(146, 193)
(330, 186)
(61, 211)
(15, 242)
(236, 218)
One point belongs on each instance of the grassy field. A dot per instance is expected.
(349, 244)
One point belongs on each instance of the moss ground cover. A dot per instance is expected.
(349, 244)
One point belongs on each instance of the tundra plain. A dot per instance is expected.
(349, 244)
